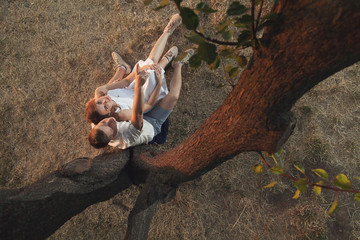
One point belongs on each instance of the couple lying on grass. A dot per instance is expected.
(130, 111)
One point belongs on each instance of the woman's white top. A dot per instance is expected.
(124, 97)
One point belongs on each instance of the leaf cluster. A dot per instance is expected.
(340, 183)
(237, 31)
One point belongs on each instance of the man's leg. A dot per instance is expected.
(170, 100)
(159, 46)
(168, 56)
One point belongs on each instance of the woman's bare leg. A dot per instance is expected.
(160, 44)
(119, 74)
(158, 49)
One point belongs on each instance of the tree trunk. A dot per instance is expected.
(312, 40)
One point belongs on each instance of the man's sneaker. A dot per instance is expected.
(189, 53)
(170, 55)
(174, 22)
(120, 62)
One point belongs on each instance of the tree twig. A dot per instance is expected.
(308, 183)
(215, 40)
(259, 15)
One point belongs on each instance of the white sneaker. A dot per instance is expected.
(120, 62)
(174, 22)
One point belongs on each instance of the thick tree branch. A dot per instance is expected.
(308, 46)
(36, 211)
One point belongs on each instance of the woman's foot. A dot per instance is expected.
(189, 53)
(170, 55)
(174, 22)
(119, 62)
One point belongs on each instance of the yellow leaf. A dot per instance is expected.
(297, 194)
(258, 168)
(200, 29)
(317, 189)
(273, 157)
(270, 185)
(333, 207)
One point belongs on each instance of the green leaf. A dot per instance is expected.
(207, 52)
(270, 185)
(258, 168)
(223, 25)
(321, 173)
(333, 207)
(279, 151)
(264, 24)
(300, 168)
(357, 197)
(163, 4)
(301, 184)
(242, 61)
(195, 61)
(195, 38)
(147, 2)
(358, 178)
(178, 2)
(244, 37)
(277, 170)
(245, 20)
(297, 194)
(180, 57)
(227, 52)
(317, 189)
(215, 64)
(269, 16)
(342, 182)
(189, 18)
(227, 34)
(236, 8)
(232, 71)
(203, 7)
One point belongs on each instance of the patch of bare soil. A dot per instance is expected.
(53, 54)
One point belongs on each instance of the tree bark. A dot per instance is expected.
(312, 40)
(37, 211)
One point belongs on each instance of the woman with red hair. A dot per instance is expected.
(115, 99)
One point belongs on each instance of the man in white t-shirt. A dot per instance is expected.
(143, 127)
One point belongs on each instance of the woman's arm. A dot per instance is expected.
(125, 81)
(155, 94)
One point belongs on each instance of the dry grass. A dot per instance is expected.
(54, 53)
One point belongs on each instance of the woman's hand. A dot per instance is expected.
(140, 76)
(101, 91)
(157, 70)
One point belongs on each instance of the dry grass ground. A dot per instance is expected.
(54, 53)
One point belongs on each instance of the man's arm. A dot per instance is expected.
(138, 104)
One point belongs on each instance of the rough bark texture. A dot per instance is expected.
(312, 40)
(38, 210)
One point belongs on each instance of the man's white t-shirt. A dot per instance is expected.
(128, 136)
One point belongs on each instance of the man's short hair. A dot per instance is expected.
(98, 139)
